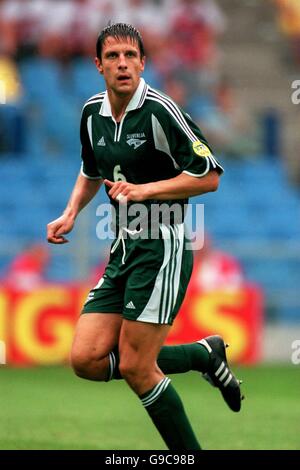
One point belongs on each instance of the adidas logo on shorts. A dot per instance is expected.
(89, 297)
(130, 305)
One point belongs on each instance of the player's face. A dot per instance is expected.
(121, 65)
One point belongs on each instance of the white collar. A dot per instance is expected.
(136, 101)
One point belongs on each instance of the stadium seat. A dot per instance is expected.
(86, 80)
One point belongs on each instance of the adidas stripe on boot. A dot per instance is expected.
(219, 374)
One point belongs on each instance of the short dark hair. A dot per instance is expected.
(120, 30)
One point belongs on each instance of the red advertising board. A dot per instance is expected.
(37, 327)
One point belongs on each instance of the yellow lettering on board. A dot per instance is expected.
(27, 314)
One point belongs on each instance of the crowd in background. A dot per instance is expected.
(66, 28)
(288, 17)
(182, 47)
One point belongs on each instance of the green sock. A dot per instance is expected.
(165, 408)
(183, 358)
(171, 359)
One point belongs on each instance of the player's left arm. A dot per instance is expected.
(179, 187)
(190, 153)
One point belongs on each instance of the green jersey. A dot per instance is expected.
(155, 140)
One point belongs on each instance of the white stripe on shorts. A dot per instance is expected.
(165, 291)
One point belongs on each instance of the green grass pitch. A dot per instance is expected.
(50, 408)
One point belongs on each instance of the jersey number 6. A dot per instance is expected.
(118, 175)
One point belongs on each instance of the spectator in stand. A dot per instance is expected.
(216, 270)
(234, 133)
(289, 23)
(56, 26)
(20, 26)
(12, 116)
(195, 25)
(70, 28)
(97, 14)
(177, 91)
(11, 13)
(150, 16)
(27, 270)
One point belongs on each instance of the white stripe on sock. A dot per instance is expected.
(112, 365)
(155, 394)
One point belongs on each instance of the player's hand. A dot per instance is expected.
(59, 227)
(123, 192)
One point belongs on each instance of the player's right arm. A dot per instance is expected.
(83, 192)
(87, 185)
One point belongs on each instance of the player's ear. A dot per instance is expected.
(99, 65)
(143, 61)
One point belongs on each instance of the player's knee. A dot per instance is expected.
(85, 366)
(80, 363)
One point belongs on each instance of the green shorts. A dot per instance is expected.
(145, 279)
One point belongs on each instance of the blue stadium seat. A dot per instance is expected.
(42, 79)
(86, 80)
(152, 77)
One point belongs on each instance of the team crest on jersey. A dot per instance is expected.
(201, 149)
(136, 140)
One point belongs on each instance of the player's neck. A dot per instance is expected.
(118, 104)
